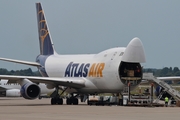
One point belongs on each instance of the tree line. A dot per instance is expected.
(25, 72)
(164, 72)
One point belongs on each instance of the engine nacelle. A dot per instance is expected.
(49, 86)
(13, 93)
(30, 91)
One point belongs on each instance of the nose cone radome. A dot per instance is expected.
(134, 52)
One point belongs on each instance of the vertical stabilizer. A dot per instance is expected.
(46, 44)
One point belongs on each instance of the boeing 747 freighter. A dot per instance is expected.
(108, 71)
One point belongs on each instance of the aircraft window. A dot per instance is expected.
(113, 55)
(121, 53)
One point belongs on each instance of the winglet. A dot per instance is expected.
(46, 44)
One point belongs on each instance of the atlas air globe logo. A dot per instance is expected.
(84, 70)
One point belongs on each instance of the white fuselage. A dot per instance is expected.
(100, 71)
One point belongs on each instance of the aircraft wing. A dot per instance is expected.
(21, 62)
(169, 78)
(69, 82)
(174, 79)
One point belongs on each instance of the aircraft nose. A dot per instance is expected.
(134, 51)
(135, 42)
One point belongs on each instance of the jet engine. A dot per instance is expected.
(30, 91)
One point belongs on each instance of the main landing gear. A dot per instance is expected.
(57, 99)
(72, 100)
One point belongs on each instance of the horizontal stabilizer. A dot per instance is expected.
(21, 62)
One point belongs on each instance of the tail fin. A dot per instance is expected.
(46, 44)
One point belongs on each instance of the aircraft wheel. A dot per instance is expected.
(40, 97)
(75, 101)
(59, 101)
(68, 101)
(53, 101)
(71, 100)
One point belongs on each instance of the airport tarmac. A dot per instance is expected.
(21, 109)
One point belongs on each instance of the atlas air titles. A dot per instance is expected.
(84, 70)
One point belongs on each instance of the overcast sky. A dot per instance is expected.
(90, 26)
